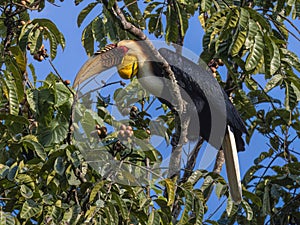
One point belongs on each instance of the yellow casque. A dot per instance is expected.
(129, 67)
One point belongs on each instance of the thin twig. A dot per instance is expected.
(105, 85)
(278, 24)
(270, 100)
(216, 210)
(60, 77)
(191, 161)
(297, 197)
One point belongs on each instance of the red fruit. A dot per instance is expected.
(67, 82)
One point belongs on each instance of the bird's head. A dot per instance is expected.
(127, 55)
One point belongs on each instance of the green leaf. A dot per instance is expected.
(155, 25)
(55, 132)
(217, 20)
(250, 83)
(263, 156)
(26, 191)
(182, 18)
(248, 210)
(154, 218)
(273, 50)
(256, 52)
(17, 76)
(30, 141)
(53, 44)
(171, 188)
(290, 97)
(172, 27)
(252, 31)
(109, 217)
(266, 207)
(13, 171)
(291, 58)
(95, 190)
(196, 176)
(264, 23)
(121, 205)
(187, 207)
(99, 31)
(14, 118)
(59, 165)
(133, 7)
(206, 5)
(238, 42)
(149, 8)
(243, 19)
(12, 95)
(229, 206)
(72, 179)
(27, 180)
(35, 38)
(220, 189)
(34, 76)
(273, 82)
(26, 31)
(48, 24)
(83, 14)
(30, 209)
(72, 215)
(88, 40)
(199, 212)
(19, 57)
(250, 174)
(6, 218)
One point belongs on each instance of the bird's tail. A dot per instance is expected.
(232, 166)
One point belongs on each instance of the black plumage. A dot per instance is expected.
(207, 96)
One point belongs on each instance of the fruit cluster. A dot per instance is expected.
(125, 132)
(214, 64)
(41, 54)
(134, 112)
(101, 131)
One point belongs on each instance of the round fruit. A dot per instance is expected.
(122, 127)
(121, 133)
(36, 56)
(128, 133)
(220, 62)
(68, 82)
(134, 108)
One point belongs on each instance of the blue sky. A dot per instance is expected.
(69, 61)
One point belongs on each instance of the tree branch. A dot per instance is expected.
(179, 103)
(191, 161)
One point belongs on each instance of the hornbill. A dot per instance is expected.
(210, 101)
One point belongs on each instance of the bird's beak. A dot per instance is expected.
(108, 57)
